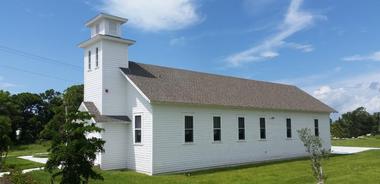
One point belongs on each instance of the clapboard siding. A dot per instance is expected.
(170, 153)
(93, 77)
(115, 55)
(115, 147)
(139, 156)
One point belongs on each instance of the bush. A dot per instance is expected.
(17, 177)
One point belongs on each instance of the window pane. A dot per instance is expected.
(262, 134)
(241, 134)
(188, 135)
(97, 57)
(216, 122)
(241, 122)
(316, 127)
(89, 59)
(217, 136)
(137, 121)
(262, 122)
(262, 128)
(288, 128)
(137, 136)
(188, 122)
(289, 133)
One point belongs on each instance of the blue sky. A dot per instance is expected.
(331, 49)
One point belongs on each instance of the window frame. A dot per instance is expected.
(289, 128)
(243, 138)
(218, 129)
(316, 127)
(189, 129)
(137, 129)
(263, 132)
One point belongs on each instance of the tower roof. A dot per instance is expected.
(105, 16)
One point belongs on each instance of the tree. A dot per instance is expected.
(29, 106)
(356, 123)
(5, 140)
(51, 100)
(72, 98)
(8, 108)
(313, 146)
(72, 154)
(376, 117)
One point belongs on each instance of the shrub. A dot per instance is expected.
(17, 177)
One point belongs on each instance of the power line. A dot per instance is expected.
(37, 57)
(36, 73)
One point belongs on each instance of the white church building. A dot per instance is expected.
(159, 119)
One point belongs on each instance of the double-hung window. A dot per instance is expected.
(138, 129)
(189, 129)
(262, 129)
(288, 128)
(217, 128)
(316, 127)
(241, 126)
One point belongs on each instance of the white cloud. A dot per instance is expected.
(302, 47)
(155, 15)
(295, 20)
(349, 94)
(371, 57)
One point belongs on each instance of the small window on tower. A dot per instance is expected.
(113, 28)
(97, 28)
(97, 57)
(89, 60)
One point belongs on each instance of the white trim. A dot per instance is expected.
(135, 86)
(100, 37)
(184, 114)
(291, 128)
(213, 129)
(105, 16)
(238, 128)
(265, 127)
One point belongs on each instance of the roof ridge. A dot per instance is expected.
(213, 74)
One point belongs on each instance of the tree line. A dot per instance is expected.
(31, 116)
(54, 116)
(356, 123)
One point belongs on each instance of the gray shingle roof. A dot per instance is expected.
(169, 85)
(92, 110)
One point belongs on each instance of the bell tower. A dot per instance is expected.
(104, 53)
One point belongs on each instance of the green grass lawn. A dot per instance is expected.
(30, 149)
(359, 168)
(24, 150)
(14, 162)
(365, 142)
